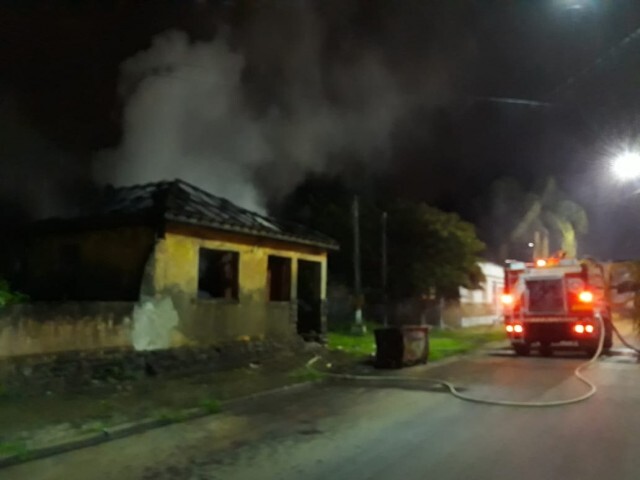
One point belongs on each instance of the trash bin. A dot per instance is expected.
(401, 346)
(416, 344)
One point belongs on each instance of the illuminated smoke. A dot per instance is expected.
(250, 123)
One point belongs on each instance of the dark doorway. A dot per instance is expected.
(279, 279)
(309, 300)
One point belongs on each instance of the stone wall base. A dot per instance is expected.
(69, 371)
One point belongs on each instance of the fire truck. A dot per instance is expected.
(556, 300)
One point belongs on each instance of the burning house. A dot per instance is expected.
(162, 266)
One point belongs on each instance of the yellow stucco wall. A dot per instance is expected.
(169, 313)
(218, 320)
(34, 329)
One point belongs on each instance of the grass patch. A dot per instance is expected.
(445, 343)
(11, 449)
(9, 394)
(95, 427)
(360, 345)
(344, 340)
(211, 405)
(442, 343)
(304, 374)
(171, 416)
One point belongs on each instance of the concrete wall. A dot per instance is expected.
(168, 312)
(488, 296)
(469, 315)
(252, 315)
(61, 347)
(43, 328)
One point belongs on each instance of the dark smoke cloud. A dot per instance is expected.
(37, 179)
(245, 104)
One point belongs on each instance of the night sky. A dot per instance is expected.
(406, 88)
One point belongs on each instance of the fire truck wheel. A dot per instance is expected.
(522, 350)
(545, 349)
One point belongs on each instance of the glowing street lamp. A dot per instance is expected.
(571, 4)
(626, 166)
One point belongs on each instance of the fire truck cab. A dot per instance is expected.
(553, 301)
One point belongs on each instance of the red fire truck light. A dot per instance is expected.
(578, 328)
(586, 297)
(509, 328)
(518, 328)
(507, 299)
(589, 328)
(541, 262)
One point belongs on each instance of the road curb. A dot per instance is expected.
(126, 430)
(482, 349)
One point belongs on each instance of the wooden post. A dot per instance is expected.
(545, 243)
(537, 246)
(358, 326)
(385, 305)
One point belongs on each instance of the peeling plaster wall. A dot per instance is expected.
(155, 324)
(44, 328)
(252, 315)
(168, 313)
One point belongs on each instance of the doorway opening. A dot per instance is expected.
(309, 300)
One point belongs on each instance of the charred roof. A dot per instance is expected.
(177, 201)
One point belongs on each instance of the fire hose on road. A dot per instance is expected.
(623, 340)
(592, 389)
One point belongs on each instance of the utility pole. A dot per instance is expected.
(545, 243)
(537, 246)
(358, 326)
(385, 306)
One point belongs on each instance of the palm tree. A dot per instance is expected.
(549, 214)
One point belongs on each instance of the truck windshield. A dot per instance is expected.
(545, 296)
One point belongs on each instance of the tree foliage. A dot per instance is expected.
(9, 296)
(325, 204)
(515, 214)
(429, 251)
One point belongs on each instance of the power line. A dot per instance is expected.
(515, 101)
(598, 63)
(573, 80)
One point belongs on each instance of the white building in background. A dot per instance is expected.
(483, 306)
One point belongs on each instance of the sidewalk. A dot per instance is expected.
(36, 426)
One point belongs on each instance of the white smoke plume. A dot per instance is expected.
(185, 118)
(190, 114)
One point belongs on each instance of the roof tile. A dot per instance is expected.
(180, 201)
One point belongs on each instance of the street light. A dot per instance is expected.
(572, 5)
(626, 166)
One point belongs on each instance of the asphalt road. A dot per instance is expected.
(395, 430)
